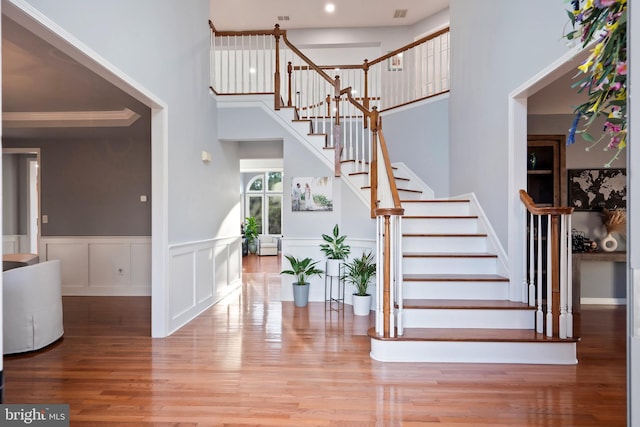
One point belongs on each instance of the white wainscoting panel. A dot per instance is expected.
(10, 244)
(205, 283)
(201, 274)
(101, 266)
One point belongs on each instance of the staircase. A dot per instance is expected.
(455, 304)
(455, 299)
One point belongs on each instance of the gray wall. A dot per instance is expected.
(164, 46)
(15, 194)
(10, 199)
(419, 137)
(92, 186)
(496, 45)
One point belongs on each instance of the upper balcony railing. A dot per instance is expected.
(245, 62)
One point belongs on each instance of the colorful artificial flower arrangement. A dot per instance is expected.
(603, 22)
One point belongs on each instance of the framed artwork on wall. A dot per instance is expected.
(395, 62)
(312, 194)
(597, 189)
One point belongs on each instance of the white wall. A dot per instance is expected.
(434, 22)
(496, 45)
(160, 48)
(164, 45)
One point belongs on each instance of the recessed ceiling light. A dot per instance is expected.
(330, 8)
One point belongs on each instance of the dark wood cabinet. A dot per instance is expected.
(546, 181)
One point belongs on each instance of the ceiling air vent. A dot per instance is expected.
(283, 18)
(400, 13)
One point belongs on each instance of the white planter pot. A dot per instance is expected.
(333, 267)
(361, 305)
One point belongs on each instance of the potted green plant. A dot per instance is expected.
(359, 272)
(302, 269)
(251, 233)
(336, 250)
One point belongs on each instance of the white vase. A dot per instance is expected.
(361, 305)
(333, 267)
(609, 243)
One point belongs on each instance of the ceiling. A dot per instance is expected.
(261, 14)
(39, 78)
(47, 93)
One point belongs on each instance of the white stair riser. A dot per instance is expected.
(351, 167)
(469, 318)
(359, 180)
(443, 265)
(436, 208)
(444, 244)
(474, 352)
(408, 195)
(456, 290)
(440, 225)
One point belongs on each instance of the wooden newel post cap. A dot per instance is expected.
(389, 211)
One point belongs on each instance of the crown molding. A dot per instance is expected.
(69, 119)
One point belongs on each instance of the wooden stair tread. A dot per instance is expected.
(475, 335)
(448, 255)
(443, 235)
(454, 278)
(440, 216)
(466, 304)
(358, 173)
(435, 201)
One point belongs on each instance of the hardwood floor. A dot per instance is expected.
(254, 361)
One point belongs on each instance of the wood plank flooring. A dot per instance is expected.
(255, 361)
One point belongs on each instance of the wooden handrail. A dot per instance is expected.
(306, 59)
(543, 210)
(409, 46)
(389, 169)
(376, 127)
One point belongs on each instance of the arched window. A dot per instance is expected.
(264, 202)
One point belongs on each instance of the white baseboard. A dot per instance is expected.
(603, 301)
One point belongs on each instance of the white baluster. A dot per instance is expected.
(399, 276)
(539, 313)
(532, 280)
(549, 281)
(569, 280)
(563, 278)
